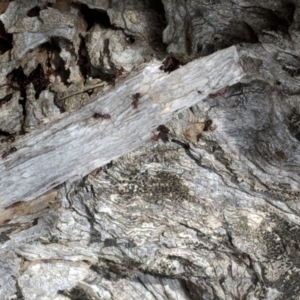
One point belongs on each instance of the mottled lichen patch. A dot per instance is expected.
(155, 188)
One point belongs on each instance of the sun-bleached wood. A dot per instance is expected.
(76, 144)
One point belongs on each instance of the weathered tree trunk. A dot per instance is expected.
(100, 202)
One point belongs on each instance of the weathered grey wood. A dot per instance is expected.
(77, 143)
(215, 217)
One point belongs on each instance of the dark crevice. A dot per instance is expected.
(5, 40)
(293, 123)
(156, 42)
(106, 51)
(4, 133)
(244, 33)
(19, 293)
(55, 64)
(34, 12)
(286, 16)
(83, 60)
(76, 293)
(291, 70)
(195, 291)
(19, 80)
(87, 70)
(95, 16)
(5, 99)
(16, 79)
(58, 64)
(50, 46)
(274, 20)
(157, 6)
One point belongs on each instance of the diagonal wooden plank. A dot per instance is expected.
(76, 144)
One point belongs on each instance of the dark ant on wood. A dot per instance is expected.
(117, 74)
(163, 132)
(135, 101)
(5, 154)
(101, 116)
(35, 221)
(170, 64)
(10, 151)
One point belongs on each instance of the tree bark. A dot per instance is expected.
(117, 207)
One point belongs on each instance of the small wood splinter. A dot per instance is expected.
(84, 90)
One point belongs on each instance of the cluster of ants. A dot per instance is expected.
(8, 139)
(135, 104)
(40, 82)
(169, 64)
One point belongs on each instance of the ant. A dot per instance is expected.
(170, 64)
(135, 101)
(101, 116)
(10, 151)
(119, 72)
(97, 171)
(35, 221)
(10, 138)
(163, 132)
(116, 75)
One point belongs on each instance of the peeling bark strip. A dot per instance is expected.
(78, 143)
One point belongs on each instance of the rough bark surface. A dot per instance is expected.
(204, 207)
